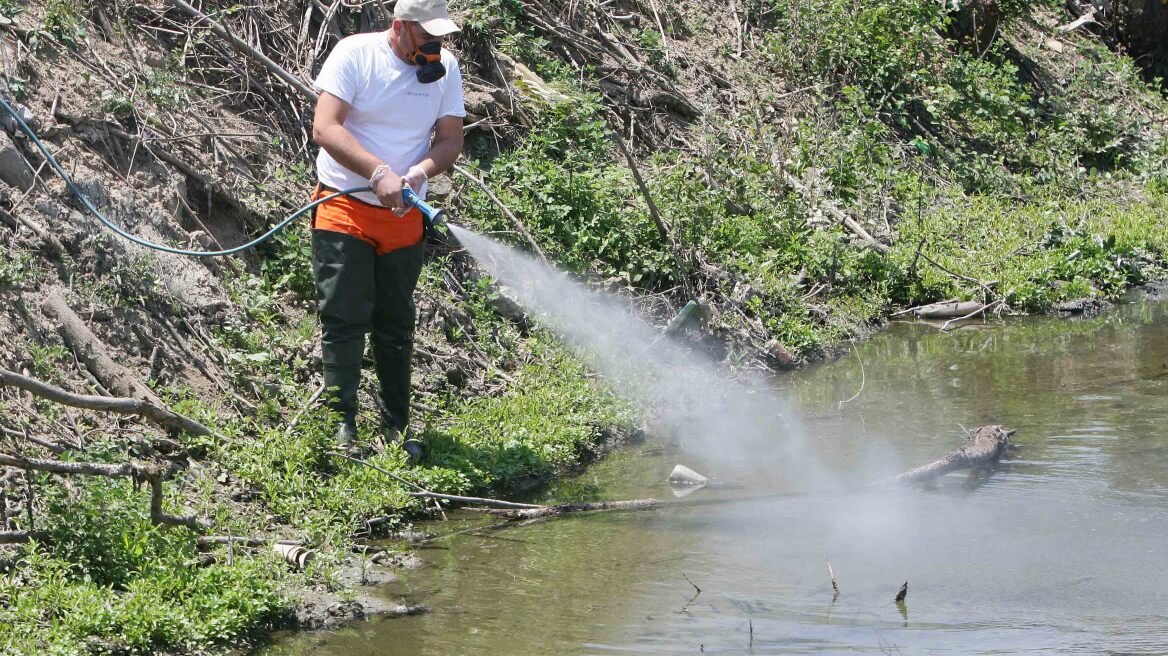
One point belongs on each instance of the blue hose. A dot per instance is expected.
(138, 240)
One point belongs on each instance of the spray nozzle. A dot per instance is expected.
(434, 218)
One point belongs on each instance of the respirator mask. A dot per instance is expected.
(428, 57)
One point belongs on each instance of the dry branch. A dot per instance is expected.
(154, 474)
(421, 492)
(985, 286)
(987, 444)
(93, 353)
(210, 540)
(156, 414)
(246, 49)
(19, 537)
(506, 211)
(682, 271)
(839, 215)
(1088, 17)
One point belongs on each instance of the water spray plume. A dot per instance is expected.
(730, 422)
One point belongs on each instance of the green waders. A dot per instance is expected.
(362, 292)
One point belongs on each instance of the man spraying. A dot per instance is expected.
(382, 97)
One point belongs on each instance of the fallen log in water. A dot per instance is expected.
(948, 310)
(566, 508)
(987, 444)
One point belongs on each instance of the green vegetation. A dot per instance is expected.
(105, 580)
(975, 159)
(111, 582)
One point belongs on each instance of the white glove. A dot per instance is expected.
(415, 178)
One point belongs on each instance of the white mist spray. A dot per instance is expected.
(724, 422)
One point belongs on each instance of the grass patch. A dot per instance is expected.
(106, 580)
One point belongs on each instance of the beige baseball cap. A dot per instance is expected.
(433, 15)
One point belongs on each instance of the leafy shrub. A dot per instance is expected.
(586, 210)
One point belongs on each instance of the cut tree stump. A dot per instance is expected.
(987, 444)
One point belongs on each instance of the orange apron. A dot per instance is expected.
(370, 223)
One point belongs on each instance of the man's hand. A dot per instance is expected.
(388, 190)
(415, 178)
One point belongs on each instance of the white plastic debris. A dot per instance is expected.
(294, 554)
(683, 475)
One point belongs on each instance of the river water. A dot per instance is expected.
(1061, 549)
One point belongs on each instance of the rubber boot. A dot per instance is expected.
(341, 384)
(393, 332)
(343, 266)
(393, 378)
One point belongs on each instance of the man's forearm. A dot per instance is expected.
(343, 147)
(441, 156)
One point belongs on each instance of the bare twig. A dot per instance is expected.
(839, 215)
(246, 48)
(506, 211)
(208, 540)
(303, 409)
(422, 492)
(154, 474)
(570, 508)
(989, 292)
(682, 270)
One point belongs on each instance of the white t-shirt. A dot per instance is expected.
(393, 114)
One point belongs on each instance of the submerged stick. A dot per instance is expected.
(568, 508)
(863, 381)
